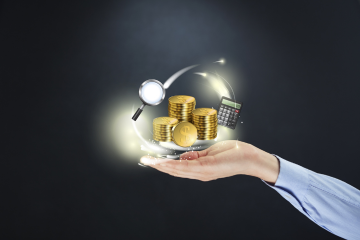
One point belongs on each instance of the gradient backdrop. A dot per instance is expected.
(294, 64)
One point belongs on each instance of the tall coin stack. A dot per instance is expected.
(181, 107)
(162, 127)
(205, 120)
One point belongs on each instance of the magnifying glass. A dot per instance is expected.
(152, 93)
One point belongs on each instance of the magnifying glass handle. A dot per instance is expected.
(138, 112)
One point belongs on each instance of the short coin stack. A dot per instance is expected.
(162, 128)
(205, 120)
(181, 107)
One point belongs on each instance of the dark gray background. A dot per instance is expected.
(59, 60)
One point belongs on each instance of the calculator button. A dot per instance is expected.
(226, 119)
(227, 115)
(237, 111)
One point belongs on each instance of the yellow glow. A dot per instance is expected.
(114, 131)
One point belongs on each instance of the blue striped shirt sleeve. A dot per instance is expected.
(332, 204)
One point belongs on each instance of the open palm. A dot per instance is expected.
(223, 159)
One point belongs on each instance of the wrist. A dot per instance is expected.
(265, 166)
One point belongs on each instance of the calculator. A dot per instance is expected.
(229, 112)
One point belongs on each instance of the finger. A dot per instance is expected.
(199, 165)
(193, 154)
(150, 160)
(177, 173)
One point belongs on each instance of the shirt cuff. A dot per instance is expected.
(292, 182)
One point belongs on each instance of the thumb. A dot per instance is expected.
(193, 155)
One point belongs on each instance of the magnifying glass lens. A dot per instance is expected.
(151, 92)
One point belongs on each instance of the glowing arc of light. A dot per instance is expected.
(228, 84)
(176, 75)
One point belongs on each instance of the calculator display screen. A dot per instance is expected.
(231, 104)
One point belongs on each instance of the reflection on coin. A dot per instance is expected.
(204, 111)
(181, 99)
(184, 134)
(165, 121)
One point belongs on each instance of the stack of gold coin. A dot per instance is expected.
(162, 128)
(181, 107)
(205, 120)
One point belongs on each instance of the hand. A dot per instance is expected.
(223, 159)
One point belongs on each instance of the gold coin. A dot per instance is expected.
(186, 109)
(180, 112)
(184, 134)
(200, 138)
(179, 116)
(182, 105)
(205, 126)
(162, 130)
(185, 106)
(162, 134)
(204, 112)
(207, 138)
(181, 99)
(206, 129)
(163, 140)
(185, 120)
(163, 127)
(168, 127)
(206, 134)
(205, 123)
(165, 121)
(204, 119)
